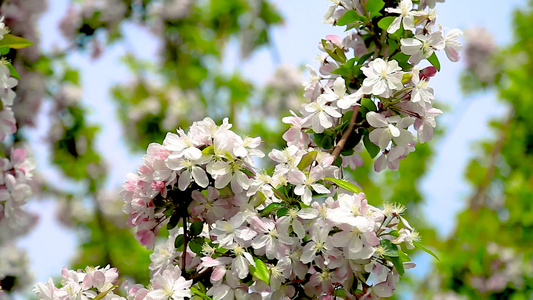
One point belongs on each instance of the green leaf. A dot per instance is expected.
(209, 150)
(403, 256)
(434, 60)
(350, 17)
(345, 185)
(339, 293)
(423, 248)
(385, 22)
(12, 71)
(173, 221)
(394, 233)
(4, 50)
(14, 42)
(374, 7)
(196, 227)
(195, 291)
(368, 104)
(102, 295)
(272, 207)
(282, 212)
(323, 140)
(201, 287)
(178, 243)
(398, 264)
(336, 53)
(406, 78)
(307, 160)
(222, 250)
(260, 271)
(403, 60)
(391, 250)
(371, 148)
(72, 76)
(352, 141)
(363, 58)
(196, 245)
(393, 46)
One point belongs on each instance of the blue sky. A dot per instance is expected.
(50, 246)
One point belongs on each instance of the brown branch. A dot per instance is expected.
(340, 145)
(478, 200)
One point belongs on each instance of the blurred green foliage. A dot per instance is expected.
(490, 254)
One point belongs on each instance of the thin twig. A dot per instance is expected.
(478, 200)
(340, 145)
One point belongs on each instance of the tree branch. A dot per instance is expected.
(340, 145)
(478, 199)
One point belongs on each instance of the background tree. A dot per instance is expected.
(489, 255)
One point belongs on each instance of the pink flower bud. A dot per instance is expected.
(158, 186)
(428, 72)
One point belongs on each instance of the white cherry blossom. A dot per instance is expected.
(422, 46)
(383, 78)
(319, 115)
(407, 16)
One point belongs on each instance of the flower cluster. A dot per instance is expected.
(7, 95)
(91, 282)
(207, 155)
(15, 167)
(382, 82)
(302, 231)
(479, 51)
(302, 227)
(14, 268)
(14, 193)
(80, 284)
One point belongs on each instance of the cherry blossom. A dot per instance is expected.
(422, 46)
(452, 46)
(389, 129)
(383, 77)
(319, 115)
(407, 16)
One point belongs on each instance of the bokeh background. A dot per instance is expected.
(105, 78)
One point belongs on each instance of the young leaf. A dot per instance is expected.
(198, 293)
(14, 42)
(385, 22)
(12, 71)
(196, 245)
(260, 271)
(4, 50)
(434, 60)
(398, 264)
(403, 256)
(282, 212)
(272, 207)
(371, 148)
(345, 185)
(307, 160)
(102, 295)
(363, 58)
(374, 7)
(196, 227)
(209, 150)
(326, 142)
(368, 104)
(350, 17)
(391, 250)
(173, 221)
(423, 248)
(178, 243)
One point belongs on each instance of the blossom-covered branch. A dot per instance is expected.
(303, 231)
